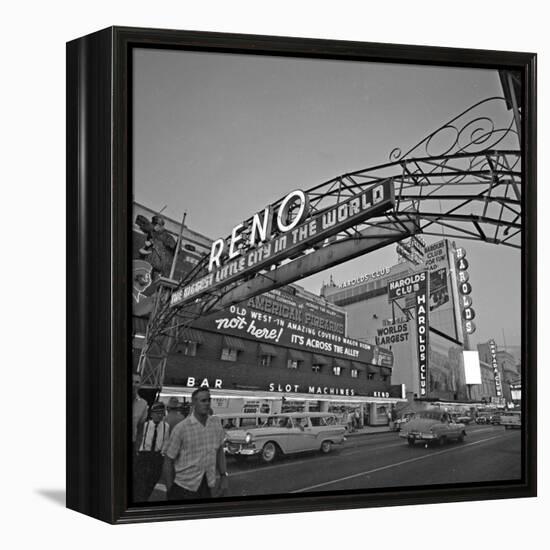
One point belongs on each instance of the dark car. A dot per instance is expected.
(483, 419)
(432, 427)
(463, 419)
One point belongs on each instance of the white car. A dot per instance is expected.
(286, 433)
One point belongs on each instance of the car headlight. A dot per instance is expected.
(248, 438)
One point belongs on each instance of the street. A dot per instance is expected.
(489, 453)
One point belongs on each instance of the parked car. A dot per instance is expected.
(432, 427)
(495, 418)
(510, 419)
(483, 419)
(284, 434)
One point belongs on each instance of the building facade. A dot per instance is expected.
(504, 374)
(287, 349)
(381, 309)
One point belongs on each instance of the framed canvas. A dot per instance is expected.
(301, 275)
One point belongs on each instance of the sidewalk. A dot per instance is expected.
(367, 430)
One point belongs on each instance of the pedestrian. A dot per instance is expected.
(139, 410)
(357, 417)
(194, 465)
(149, 459)
(348, 418)
(390, 419)
(174, 415)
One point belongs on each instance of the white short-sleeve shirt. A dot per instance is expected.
(193, 448)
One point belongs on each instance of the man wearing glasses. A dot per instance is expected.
(194, 456)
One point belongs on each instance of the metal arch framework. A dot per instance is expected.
(461, 181)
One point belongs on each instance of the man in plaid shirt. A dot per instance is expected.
(194, 456)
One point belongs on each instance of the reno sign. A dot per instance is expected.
(283, 231)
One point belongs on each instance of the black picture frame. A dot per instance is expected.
(98, 210)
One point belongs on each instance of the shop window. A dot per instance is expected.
(370, 376)
(265, 360)
(292, 364)
(229, 354)
(354, 373)
(316, 368)
(188, 348)
(385, 378)
(337, 371)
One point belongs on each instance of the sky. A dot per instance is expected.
(221, 136)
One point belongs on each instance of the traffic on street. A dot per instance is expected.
(488, 453)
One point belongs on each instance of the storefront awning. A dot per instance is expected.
(319, 360)
(266, 349)
(342, 363)
(168, 391)
(371, 369)
(190, 335)
(296, 355)
(359, 366)
(233, 343)
(385, 371)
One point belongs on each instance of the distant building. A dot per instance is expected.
(287, 349)
(503, 364)
(373, 316)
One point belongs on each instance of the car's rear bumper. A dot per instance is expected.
(418, 436)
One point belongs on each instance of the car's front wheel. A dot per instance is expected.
(410, 441)
(269, 452)
(326, 447)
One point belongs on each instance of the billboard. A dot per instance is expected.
(472, 369)
(294, 321)
(412, 250)
(436, 262)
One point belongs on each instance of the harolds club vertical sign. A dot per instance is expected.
(422, 330)
(416, 286)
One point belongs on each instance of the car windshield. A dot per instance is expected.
(431, 415)
(322, 420)
(278, 422)
(229, 423)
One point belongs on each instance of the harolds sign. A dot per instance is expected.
(417, 285)
(404, 286)
(272, 236)
(422, 330)
(293, 321)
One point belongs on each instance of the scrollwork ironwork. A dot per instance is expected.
(472, 131)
